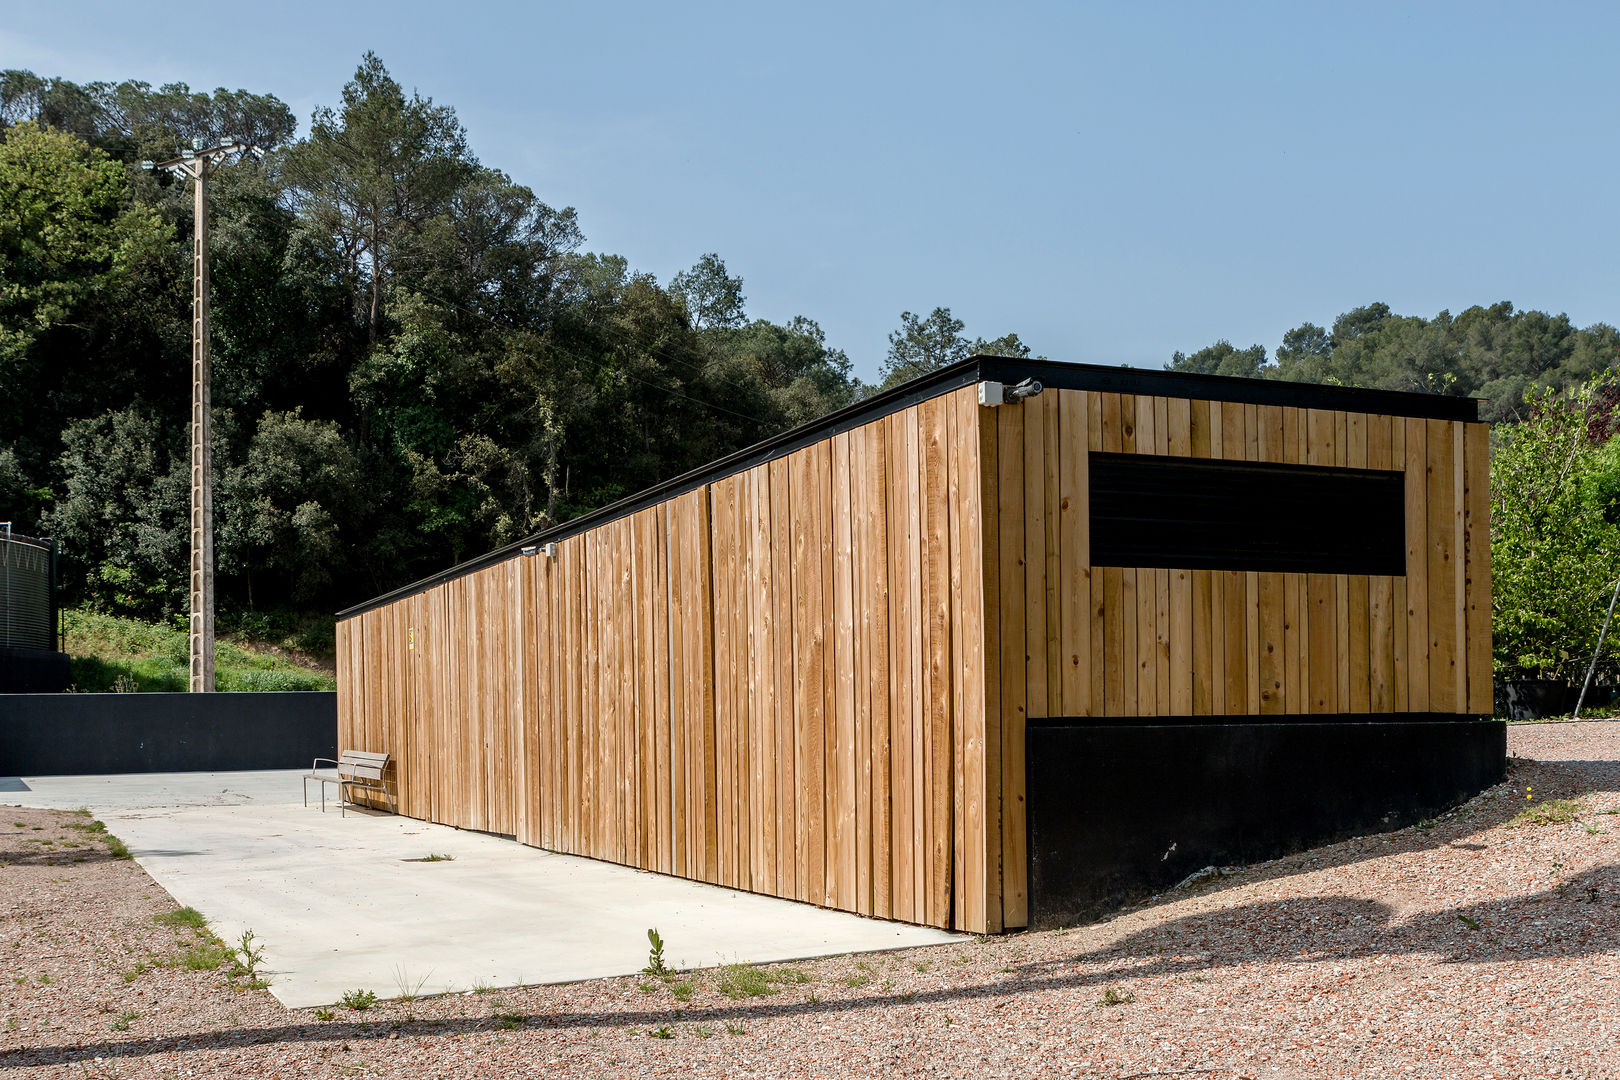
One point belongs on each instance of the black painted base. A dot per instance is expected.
(1118, 812)
(33, 671)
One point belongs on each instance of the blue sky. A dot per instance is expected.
(1111, 181)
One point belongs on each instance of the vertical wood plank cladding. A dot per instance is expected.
(1012, 586)
(902, 669)
(1417, 566)
(1035, 594)
(986, 837)
(954, 455)
(1441, 509)
(841, 815)
(1094, 442)
(1052, 577)
(786, 708)
(809, 659)
(942, 668)
(1074, 551)
(1459, 565)
(876, 543)
(1477, 451)
(860, 603)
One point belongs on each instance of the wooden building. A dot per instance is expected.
(818, 668)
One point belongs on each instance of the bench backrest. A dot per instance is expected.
(362, 764)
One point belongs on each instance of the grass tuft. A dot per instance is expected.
(182, 917)
(1551, 812)
(739, 981)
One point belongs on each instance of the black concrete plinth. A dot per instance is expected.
(1121, 811)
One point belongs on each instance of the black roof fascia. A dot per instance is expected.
(1005, 369)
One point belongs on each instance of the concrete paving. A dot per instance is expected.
(345, 902)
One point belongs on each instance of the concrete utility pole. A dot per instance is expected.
(198, 164)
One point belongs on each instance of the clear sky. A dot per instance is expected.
(1111, 181)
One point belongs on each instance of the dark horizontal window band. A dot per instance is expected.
(1302, 719)
(1202, 514)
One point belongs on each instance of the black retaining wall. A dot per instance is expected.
(33, 671)
(1118, 812)
(66, 734)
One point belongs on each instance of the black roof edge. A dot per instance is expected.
(1051, 373)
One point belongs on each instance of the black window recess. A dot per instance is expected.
(1198, 514)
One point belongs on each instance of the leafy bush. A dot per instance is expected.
(1555, 531)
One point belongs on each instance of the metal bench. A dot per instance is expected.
(352, 769)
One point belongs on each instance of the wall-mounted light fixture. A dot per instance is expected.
(992, 394)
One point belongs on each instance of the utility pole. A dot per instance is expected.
(198, 164)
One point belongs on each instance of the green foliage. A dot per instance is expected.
(111, 653)
(1551, 812)
(1555, 544)
(206, 955)
(188, 917)
(1494, 353)
(358, 1000)
(655, 956)
(742, 981)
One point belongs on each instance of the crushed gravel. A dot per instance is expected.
(1477, 945)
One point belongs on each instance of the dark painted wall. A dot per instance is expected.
(64, 734)
(1118, 812)
(33, 671)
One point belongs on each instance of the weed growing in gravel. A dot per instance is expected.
(646, 988)
(481, 988)
(205, 956)
(358, 1000)
(508, 1021)
(662, 1031)
(122, 1023)
(434, 858)
(117, 848)
(862, 965)
(1593, 829)
(700, 1031)
(855, 982)
(1466, 921)
(788, 975)
(86, 826)
(922, 966)
(186, 916)
(741, 981)
(45, 980)
(682, 990)
(1551, 812)
(245, 960)
(409, 991)
(135, 972)
(655, 956)
(736, 1029)
(324, 1014)
(1114, 997)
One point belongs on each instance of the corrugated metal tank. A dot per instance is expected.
(25, 593)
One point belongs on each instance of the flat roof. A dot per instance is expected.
(1053, 374)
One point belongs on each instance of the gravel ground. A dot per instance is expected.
(1478, 945)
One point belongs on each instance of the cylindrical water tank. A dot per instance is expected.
(25, 593)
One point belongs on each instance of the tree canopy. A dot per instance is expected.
(1495, 353)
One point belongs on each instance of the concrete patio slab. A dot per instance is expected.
(345, 902)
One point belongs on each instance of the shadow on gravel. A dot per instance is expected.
(1580, 917)
(1492, 807)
